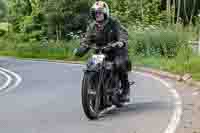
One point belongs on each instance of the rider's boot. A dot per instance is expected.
(125, 97)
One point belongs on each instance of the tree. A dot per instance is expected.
(3, 9)
(66, 16)
(184, 9)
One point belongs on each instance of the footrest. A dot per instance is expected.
(131, 82)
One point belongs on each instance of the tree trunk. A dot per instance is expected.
(169, 11)
(57, 33)
(185, 12)
(142, 12)
(60, 31)
(178, 11)
(193, 11)
(174, 11)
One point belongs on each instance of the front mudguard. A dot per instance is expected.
(92, 66)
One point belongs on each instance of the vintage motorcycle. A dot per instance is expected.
(101, 87)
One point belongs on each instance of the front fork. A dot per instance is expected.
(111, 87)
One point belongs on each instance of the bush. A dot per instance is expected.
(194, 65)
(53, 50)
(37, 49)
(180, 64)
(154, 42)
(3, 28)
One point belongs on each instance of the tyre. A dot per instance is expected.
(90, 97)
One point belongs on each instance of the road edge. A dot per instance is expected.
(164, 74)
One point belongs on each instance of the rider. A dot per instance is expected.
(104, 30)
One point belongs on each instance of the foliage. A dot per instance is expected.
(3, 9)
(4, 28)
(57, 20)
(158, 42)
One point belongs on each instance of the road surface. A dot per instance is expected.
(48, 101)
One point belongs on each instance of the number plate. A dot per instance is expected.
(98, 58)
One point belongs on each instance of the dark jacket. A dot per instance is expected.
(112, 31)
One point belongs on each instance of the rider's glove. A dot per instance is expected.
(81, 51)
(118, 44)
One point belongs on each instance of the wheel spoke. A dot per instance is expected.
(91, 92)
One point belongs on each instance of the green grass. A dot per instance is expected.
(174, 65)
(153, 62)
(59, 50)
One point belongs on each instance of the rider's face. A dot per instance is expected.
(99, 16)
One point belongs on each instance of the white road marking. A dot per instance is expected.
(8, 80)
(18, 79)
(175, 119)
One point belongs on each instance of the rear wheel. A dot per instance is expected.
(90, 96)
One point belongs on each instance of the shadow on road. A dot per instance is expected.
(137, 108)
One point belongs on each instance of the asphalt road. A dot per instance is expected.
(2, 79)
(48, 101)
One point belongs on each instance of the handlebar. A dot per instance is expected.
(99, 47)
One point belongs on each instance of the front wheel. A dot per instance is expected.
(90, 96)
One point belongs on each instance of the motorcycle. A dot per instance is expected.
(101, 86)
